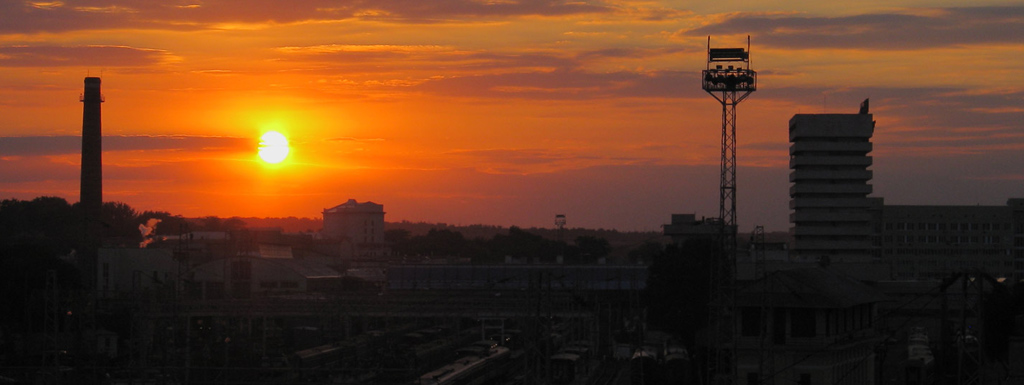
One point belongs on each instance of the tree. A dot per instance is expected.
(169, 224)
(23, 267)
(397, 236)
(521, 244)
(233, 224)
(212, 223)
(399, 241)
(677, 290)
(440, 243)
(119, 220)
(592, 248)
(645, 253)
(999, 313)
(50, 220)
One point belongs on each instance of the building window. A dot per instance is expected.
(803, 324)
(750, 322)
(753, 378)
(241, 270)
(779, 326)
(805, 379)
(214, 290)
(240, 290)
(829, 323)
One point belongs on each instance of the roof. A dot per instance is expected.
(812, 287)
(353, 206)
(367, 274)
(275, 251)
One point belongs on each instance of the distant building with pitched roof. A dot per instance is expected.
(360, 224)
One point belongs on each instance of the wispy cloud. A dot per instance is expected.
(352, 139)
(88, 55)
(907, 30)
(569, 85)
(72, 15)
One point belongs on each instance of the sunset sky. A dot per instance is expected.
(502, 112)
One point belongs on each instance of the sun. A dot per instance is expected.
(273, 147)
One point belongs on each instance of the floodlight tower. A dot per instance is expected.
(729, 79)
(560, 225)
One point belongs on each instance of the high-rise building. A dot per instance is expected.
(829, 194)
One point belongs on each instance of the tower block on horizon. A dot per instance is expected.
(729, 79)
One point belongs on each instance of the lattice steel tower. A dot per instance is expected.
(730, 86)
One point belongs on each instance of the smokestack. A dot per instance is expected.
(92, 147)
(91, 198)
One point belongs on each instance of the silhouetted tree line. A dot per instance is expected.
(517, 243)
(677, 290)
(44, 234)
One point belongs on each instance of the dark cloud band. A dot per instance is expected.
(64, 145)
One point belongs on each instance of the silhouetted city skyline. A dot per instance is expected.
(538, 192)
(500, 114)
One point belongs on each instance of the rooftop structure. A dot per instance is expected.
(686, 226)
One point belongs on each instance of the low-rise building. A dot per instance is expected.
(686, 226)
(934, 242)
(247, 277)
(818, 328)
(124, 272)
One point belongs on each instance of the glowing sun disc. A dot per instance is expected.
(273, 147)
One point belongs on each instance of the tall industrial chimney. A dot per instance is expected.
(92, 147)
(91, 199)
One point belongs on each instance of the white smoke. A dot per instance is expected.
(147, 229)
